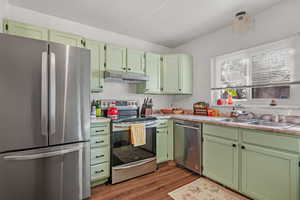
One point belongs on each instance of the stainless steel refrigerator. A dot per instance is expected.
(44, 120)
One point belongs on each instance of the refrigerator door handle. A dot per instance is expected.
(44, 94)
(52, 93)
(43, 155)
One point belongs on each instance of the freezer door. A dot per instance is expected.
(23, 92)
(69, 94)
(57, 173)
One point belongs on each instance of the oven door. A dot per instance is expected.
(129, 161)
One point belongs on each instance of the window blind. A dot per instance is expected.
(274, 66)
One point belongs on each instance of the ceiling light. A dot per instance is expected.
(242, 22)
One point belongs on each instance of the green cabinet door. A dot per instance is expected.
(66, 38)
(170, 74)
(25, 30)
(135, 61)
(161, 145)
(185, 74)
(170, 140)
(97, 64)
(115, 58)
(220, 161)
(152, 68)
(269, 174)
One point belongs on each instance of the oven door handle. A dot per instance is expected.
(118, 126)
(136, 164)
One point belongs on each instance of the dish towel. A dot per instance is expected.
(138, 134)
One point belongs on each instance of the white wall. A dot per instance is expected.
(280, 21)
(111, 90)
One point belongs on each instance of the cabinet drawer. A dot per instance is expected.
(99, 155)
(161, 130)
(100, 171)
(270, 139)
(100, 129)
(99, 140)
(162, 124)
(220, 131)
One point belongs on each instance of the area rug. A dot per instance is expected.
(204, 189)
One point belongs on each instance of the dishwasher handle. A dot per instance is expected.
(184, 126)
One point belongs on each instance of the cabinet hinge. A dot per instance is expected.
(161, 59)
(104, 47)
(83, 43)
(104, 64)
(299, 164)
(6, 27)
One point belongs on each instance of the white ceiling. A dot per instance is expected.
(166, 22)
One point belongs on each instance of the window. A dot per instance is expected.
(259, 66)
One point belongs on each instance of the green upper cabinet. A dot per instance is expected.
(25, 30)
(66, 38)
(185, 74)
(97, 64)
(170, 74)
(177, 74)
(268, 174)
(135, 61)
(115, 58)
(152, 68)
(220, 160)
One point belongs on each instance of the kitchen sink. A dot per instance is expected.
(272, 124)
(259, 122)
(238, 120)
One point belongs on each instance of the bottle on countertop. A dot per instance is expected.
(98, 109)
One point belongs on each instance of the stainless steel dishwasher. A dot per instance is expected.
(188, 145)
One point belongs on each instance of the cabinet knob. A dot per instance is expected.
(243, 147)
(101, 86)
(179, 89)
(233, 145)
(129, 69)
(124, 68)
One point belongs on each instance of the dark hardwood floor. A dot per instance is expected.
(155, 186)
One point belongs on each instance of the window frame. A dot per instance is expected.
(249, 53)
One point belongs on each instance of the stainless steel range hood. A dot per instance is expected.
(130, 77)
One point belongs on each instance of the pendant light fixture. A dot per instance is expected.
(242, 22)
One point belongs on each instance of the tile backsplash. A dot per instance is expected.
(126, 91)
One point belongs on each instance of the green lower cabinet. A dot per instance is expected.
(161, 145)
(97, 64)
(220, 161)
(100, 153)
(25, 30)
(268, 174)
(170, 140)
